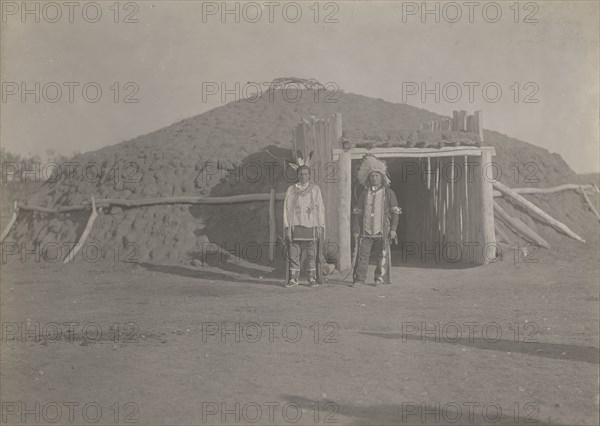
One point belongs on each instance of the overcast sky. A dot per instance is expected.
(374, 49)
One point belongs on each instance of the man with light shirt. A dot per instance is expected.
(303, 225)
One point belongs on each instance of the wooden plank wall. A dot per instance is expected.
(321, 136)
(443, 210)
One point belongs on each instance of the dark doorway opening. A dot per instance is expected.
(434, 225)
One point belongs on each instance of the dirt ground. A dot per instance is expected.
(506, 343)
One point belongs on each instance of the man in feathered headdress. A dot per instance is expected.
(375, 219)
(303, 224)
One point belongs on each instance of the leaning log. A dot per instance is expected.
(501, 235)
(558, 188)
(589, 203)
(528, 205)
(519, 227)
(11, 222)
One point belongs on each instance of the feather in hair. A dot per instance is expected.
(300, 161)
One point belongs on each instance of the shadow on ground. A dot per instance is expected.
(212, 274)
(426, 261)
(587, 354)
(419, 412)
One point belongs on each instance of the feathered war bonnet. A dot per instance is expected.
(369, 165)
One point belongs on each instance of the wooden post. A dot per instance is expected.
(478, 124)
(462, 121)
(451, 181)
(487, 211)
(445, 126)
(272, 227)
(344, 204)
(338, 128)
(11, 222)
(428, 173)
(466, 222)
(88, 228)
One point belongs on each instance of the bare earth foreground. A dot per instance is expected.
(508, 343)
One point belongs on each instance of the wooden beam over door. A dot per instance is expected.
(400, 152)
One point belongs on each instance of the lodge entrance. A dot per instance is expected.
(445, 191)
(441, 224)
(446, 199)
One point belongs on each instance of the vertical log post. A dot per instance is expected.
(466, 222)
(272, 227)
(478, 124)
(344, 196)
(88, 228)
(487, 211)
(338, 126)
(462, 121)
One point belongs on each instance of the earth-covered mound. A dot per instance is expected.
(239, 148)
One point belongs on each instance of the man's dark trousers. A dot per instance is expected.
(364, 253)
